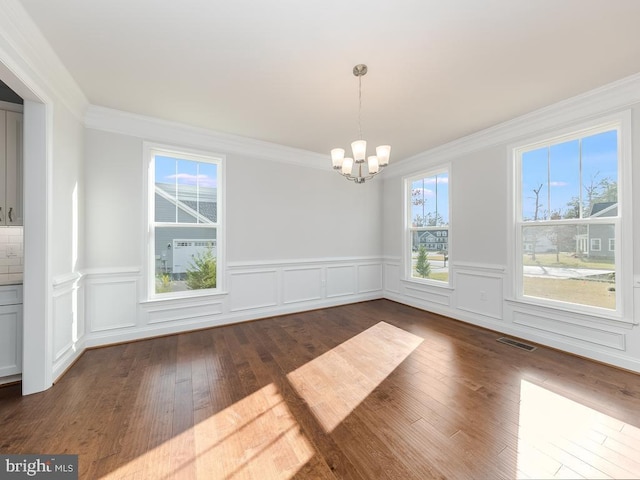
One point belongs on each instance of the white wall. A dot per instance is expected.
(114, 215)
(298, 236)
(281, 211)
(66, 253)
(480, 234)
(67, 192)
(53, 132)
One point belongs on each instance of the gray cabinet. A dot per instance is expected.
(10, 330)
(10, 167)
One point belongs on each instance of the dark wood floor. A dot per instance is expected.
(367, 391)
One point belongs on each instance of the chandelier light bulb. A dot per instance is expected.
(359, 148)
(373, 164)
(337, 156)
(347, 166)
(383, 152)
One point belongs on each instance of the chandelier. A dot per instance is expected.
(375, 163)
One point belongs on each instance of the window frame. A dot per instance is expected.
(150, 150)
(623, 227)
(408, 228)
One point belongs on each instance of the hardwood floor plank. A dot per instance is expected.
(362, 391)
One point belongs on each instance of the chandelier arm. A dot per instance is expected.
(359, 178)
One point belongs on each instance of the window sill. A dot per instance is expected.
(428, 283)
(182, 296)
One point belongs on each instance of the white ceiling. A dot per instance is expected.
(280, 70)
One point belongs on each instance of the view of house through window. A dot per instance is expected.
(429, 226)
(184, 227)
(569, 219)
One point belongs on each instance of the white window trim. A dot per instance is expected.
(623, 224)
(594, 242)
(612, 244)
(406, 243)
(148, 291)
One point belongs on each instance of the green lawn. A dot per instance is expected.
(583, 292)
(441, 276)
(567, 260)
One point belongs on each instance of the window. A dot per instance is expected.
(612, 244)
(428, 227)
(184, 195)
(567, 205)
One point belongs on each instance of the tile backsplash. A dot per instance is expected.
(11, 254)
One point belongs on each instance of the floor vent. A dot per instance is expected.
(517, 344)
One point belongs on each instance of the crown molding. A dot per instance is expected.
(155, 129)
(28, 55)
(606, 99)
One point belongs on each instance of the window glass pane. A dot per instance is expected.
(564, 180)
(535, 180)
(429, 254)
(600, 173)
(185, 258)
(187, 191)
(165, 189)
(442, 199)
(561, 263)
(207, 190)
(430, 201)
(419, 197)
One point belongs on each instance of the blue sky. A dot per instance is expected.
(185, 172)
(433, 195)
(563, 174)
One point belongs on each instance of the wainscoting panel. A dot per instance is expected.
(253, 289)
(479, 292)
(301, 284)
(112, 300)
(392, 277)
(63, 322)
(341, 280)
(572, 332)
(369, 278)
(116, 312)
(68, 321)
(183, 311)
(426, 295)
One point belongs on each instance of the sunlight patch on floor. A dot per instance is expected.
(336, 382)
(561, 438)
(256, 437)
